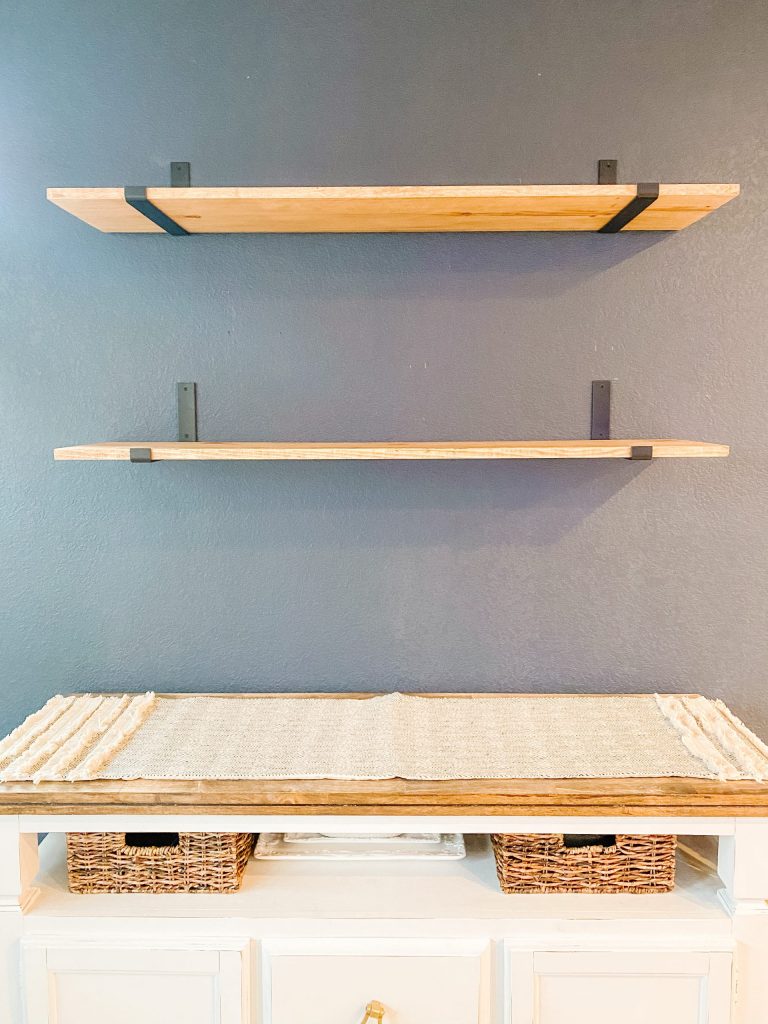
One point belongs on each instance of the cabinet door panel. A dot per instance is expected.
(421, 986)
(634, 988)
(82, 984)
(87, 998)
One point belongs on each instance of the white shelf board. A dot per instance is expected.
(358, 891)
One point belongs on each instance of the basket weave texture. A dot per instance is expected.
(542, 863)
(102, 862)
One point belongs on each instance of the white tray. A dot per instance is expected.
(316, 846)
(324, 838)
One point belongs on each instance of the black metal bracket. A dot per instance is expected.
(600, 422)
(647, 193)
(140, 454)
(641, 452)
(181, 174)
(599, 430)
(136, 196)
(607, 172)
(186, 404)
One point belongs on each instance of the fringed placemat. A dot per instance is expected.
(392, 736)
(72, 737)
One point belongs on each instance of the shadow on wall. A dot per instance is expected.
(264, 506)
(531, 264)
(332, 267)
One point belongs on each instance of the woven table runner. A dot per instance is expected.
(148, 736)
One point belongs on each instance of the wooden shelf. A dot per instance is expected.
(184, 451)
(394, 208)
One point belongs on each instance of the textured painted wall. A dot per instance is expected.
(351, 576)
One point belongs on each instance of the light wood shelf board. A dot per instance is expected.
(183, 451)
(394, 208)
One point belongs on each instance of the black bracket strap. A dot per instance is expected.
(186, 404)
(136, 196)
(140, 454)
(181, 174)
(600, 422)
(641, 452)
(647, 193)
(607, 172)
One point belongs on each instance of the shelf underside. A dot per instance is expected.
(184, 451)
(394, 208)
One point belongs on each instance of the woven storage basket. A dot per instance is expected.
(179, 862)
(544, 863)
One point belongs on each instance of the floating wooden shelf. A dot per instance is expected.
(183, 451)
(393, 208)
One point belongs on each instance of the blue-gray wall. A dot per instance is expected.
(538, 576)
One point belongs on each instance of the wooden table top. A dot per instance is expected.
(636, 797)
(539, 797)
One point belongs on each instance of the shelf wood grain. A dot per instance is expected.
(260, 451)
(647, 797)
(394, 208)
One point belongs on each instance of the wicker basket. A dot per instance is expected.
(153, 862)
(557, 863)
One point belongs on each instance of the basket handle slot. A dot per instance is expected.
(577, 842)
(151, 840)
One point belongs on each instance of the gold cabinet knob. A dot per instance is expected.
(374, 1011)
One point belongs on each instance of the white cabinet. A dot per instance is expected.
(83, 983)
(417, 981)
(631, 987)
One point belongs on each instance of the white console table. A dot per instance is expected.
(436, 943)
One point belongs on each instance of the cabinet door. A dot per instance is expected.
(94, 984)
(417, 982)
(634, 988)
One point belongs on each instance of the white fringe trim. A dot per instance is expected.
(749, 753)
(78, 745)
(134, 715)
(48, 743)
(694, 738)
(33, 726)
(744, 729)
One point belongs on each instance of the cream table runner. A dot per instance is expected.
(396, 735)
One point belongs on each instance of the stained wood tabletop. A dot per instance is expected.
(512, 797)
(635, 797)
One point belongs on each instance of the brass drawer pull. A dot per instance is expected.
(374, 1012)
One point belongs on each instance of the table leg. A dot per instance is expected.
(18, 867)
(743, 867)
